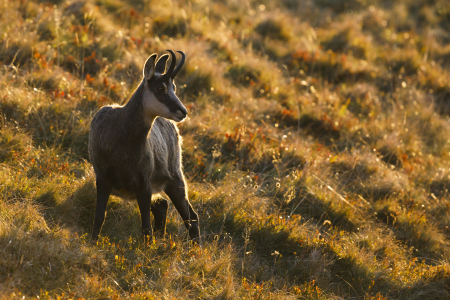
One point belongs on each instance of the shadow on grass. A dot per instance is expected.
(77, 211)
(239, 149)
(55, 124)
(319, 129)
(272, 251)
(36, 261)
(296, 259)
(428, 243)
(360, 178)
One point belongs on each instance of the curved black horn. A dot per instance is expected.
(172, 64)
(180, 64)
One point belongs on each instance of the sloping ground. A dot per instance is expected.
(317, 149)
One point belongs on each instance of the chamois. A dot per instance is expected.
(136, 151)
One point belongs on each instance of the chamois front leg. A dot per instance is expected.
(159, 210)
(177, 192)
(103, 192)
(144, 199)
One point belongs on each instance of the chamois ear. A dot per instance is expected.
(149, 67)
(161, 64)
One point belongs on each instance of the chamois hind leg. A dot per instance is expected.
(103, 192)
(144, 199)
(159, 210)
(177, 192)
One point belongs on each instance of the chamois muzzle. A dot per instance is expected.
(181, 113)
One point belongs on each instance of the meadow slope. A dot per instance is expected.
(317, 149)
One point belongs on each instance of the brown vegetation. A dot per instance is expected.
(316, 149)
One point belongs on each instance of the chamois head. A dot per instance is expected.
(159, 89)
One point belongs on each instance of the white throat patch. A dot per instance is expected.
(152, 106)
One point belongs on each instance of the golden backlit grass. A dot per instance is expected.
(316, 149)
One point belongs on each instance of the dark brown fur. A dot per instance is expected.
(136, 154)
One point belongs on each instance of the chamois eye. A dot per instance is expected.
(159, 88)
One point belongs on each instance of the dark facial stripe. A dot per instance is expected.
(169, 99)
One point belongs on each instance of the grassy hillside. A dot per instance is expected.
(317, 149)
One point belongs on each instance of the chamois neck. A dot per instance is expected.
(138, 123)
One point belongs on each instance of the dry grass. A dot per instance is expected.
(316, 148)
